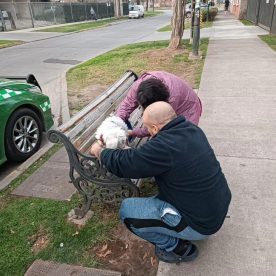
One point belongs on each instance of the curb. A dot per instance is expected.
(64, 105)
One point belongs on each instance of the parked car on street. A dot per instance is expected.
(24, 114)
(188, 8)
(136, 11)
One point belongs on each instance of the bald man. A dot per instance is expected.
(193, 195)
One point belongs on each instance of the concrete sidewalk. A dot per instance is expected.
(239, 109)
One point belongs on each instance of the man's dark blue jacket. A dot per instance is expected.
(188, 175)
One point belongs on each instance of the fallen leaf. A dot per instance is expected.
(104, 255)
(76, 233)
(103, 248)
(108, 252)
(153, 261)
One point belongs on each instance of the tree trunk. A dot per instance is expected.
(117, 8)
(178, 19)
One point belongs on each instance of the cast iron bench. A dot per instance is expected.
(90, 178)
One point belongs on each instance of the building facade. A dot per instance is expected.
(239, 8)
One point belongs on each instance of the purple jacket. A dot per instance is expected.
(182, 98)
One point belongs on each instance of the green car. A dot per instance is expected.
(24, 114)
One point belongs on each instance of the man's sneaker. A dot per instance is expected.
(170, 257)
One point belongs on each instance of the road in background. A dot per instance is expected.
(49, 58)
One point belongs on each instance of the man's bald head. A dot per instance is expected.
(158, 115)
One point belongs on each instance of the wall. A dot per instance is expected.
(238, 8)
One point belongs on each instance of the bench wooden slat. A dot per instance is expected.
(94, 114)
(125, 82)
(86, 138)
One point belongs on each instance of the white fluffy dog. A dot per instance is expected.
(113, 131)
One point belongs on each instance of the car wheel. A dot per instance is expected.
(23, 134)
(188, 14)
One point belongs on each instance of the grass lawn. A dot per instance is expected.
(269, 40)
(247, 22)
(168, 28)
(32, 228)
(8, 43)
(88, 80)
(78, 27)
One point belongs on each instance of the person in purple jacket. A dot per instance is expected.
(160, 86)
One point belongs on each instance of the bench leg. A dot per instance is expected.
(86, 205)
(92, 191)
(83, 188)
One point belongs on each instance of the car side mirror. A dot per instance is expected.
(32, 80)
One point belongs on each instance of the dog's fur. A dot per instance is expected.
(113, 131)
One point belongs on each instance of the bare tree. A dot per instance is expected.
(117, 8)
(177, 23)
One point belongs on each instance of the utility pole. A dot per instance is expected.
(196, 29)
(192, 21)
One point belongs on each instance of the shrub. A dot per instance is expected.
(213, 11)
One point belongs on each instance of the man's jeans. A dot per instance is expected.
(155, 209)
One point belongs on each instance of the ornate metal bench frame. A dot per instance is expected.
(87, 174)
(91, 179)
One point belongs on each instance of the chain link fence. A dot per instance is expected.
(38, 14)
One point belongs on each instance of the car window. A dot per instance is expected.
(134, 8)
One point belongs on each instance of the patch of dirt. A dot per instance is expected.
(79, 99)
(174, 61)
(166, 60)
(39, 240)
(126, 253)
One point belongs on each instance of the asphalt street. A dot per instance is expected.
(49, 57)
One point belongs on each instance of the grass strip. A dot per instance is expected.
(9, 43)
(247, 22)
(79, 27)
(151, 13)
(168, 28)
(270, 40)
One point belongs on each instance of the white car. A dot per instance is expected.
(136, 11)
(188, 8)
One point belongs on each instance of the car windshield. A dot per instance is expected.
(134, 8)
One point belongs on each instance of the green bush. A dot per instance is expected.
(213, 11)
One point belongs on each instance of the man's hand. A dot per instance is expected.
(130, 133)
(96, 148)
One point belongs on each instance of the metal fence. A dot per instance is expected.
(263, 13)
(37, 14)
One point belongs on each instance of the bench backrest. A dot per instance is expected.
(80, 129)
